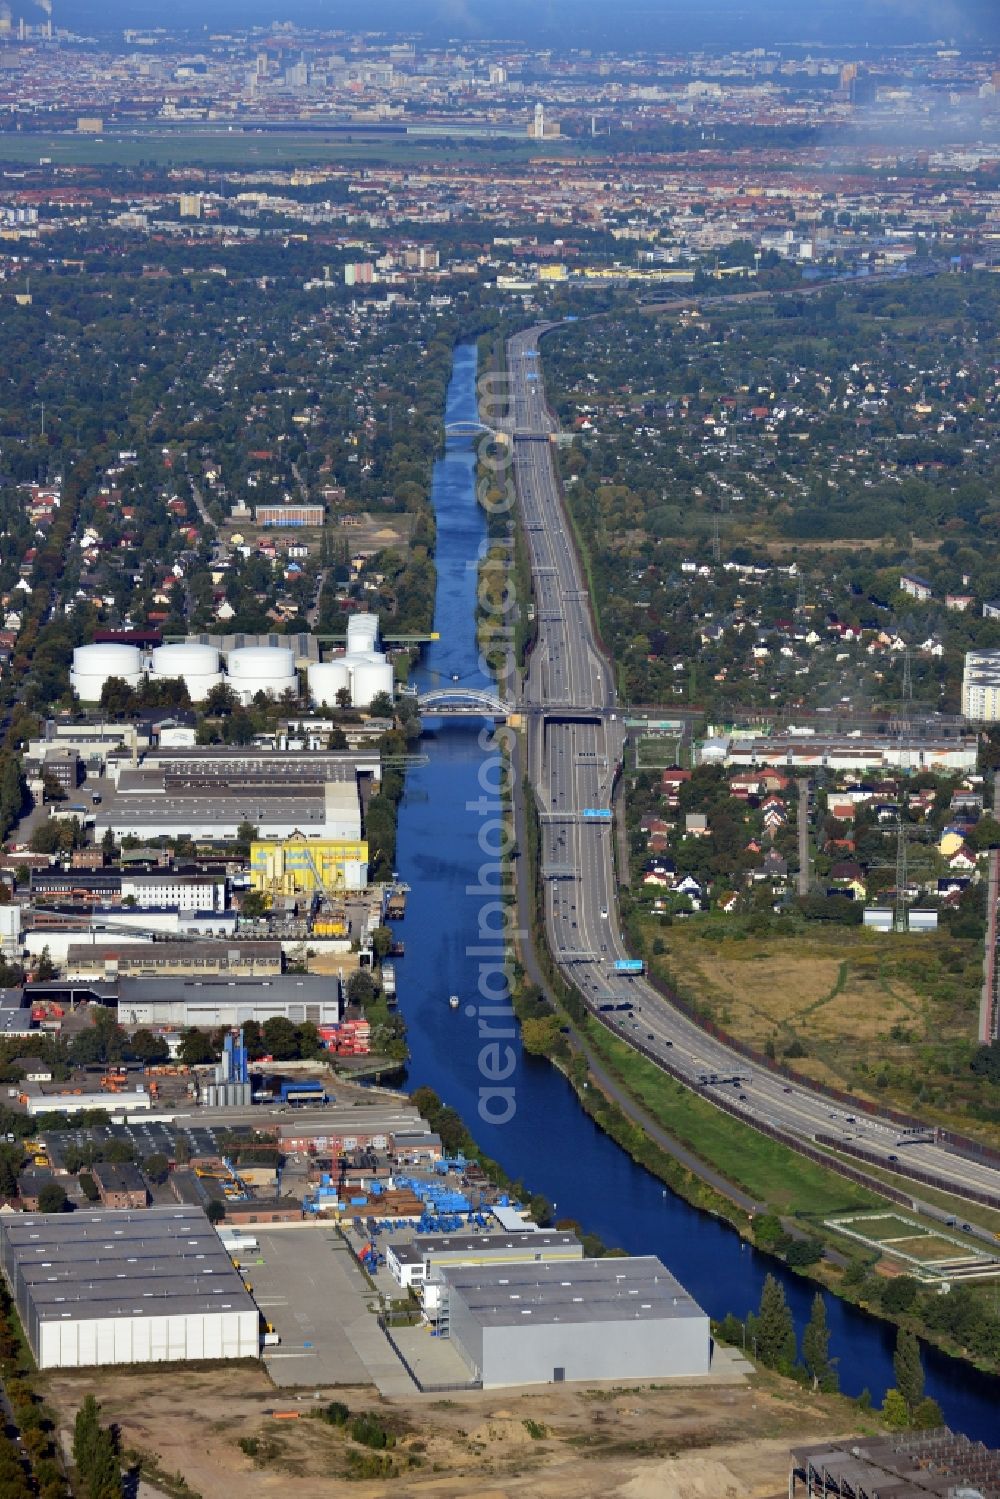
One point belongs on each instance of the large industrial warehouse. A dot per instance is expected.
(126, 1287)
(541, 1323)
(297, 997)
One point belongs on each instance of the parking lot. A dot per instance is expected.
(309, 1288)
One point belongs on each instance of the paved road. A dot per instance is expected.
(802, 815)
(574, 748)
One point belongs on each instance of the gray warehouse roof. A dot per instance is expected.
(429, 1246)
(260, 804)
(605, 1290)
(283, 988)
(152, 1262)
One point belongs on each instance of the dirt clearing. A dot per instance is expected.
(636, 1443)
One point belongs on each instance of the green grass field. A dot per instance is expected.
(214, 147)
(771, 1172)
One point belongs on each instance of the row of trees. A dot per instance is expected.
(95, 1453)
(769, 1333)
(35, 1467)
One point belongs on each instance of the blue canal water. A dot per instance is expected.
(550, 1143)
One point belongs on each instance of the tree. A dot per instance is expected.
(246, 833)
(46, 968)
(927, 1415)
(816, 1347)
(894, 1411)
(117, 697)
(216, 1211)
(95, 1454)
(102, 1476)
(774, 1328)
(221, 700)
(381, 941)
(281, 1038)
(146, 1047)
(900, 1294)
(908, 1369)
(343, 697)
(380, 705)
(88, 1186)
(361, 987)
(52, 1198)
(86, 1428)
(253, 1040)
(196, 1048)
(11, 1161)
(103, 1041)
(253, 905)
(156, 1167)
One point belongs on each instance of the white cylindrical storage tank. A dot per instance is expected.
(192, 663)
(93, 665)
(326, 679)
(362, 632)
(368, 679)
(364, 658)
(261, 668)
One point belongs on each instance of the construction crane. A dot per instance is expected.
(320, 882)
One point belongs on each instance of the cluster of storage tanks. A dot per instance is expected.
(227, 1095)
(364, 671)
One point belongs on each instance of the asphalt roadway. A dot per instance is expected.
(575, 742)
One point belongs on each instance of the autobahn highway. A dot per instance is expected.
(575, 741)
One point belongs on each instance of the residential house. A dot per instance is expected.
(671, 782)
(773, 868)
(917, 588)
(849, 878)
(690, 887)
(775, 815)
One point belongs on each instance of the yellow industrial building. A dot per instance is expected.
(306, 866)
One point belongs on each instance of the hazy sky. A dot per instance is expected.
(657, 23)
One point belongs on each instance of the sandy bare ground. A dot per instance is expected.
(622, 1443)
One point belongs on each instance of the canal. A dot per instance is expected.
(549, 1142)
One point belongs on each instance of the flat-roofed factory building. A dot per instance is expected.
(544, 1323)
(417, 1263)
(108, 1287)
(298, 997)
